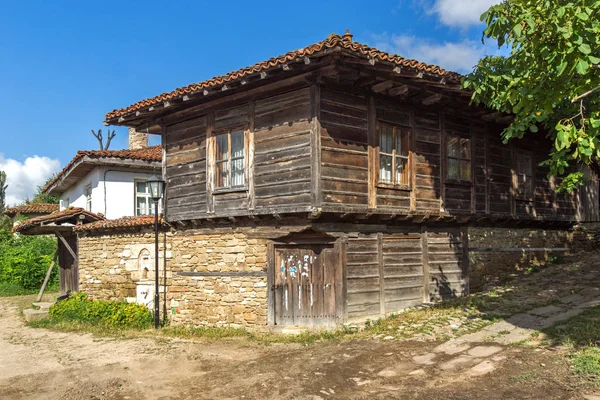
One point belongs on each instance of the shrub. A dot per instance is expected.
(108, 314)
(24, 260)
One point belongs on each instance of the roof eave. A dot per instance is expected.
(59, 187)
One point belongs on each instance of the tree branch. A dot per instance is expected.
(98, 136)
(586, 94)
(110, 136)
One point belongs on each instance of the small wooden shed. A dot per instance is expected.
(61, 225)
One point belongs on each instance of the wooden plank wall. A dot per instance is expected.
(427, 138)
(362, 276)
(280, 171)
(457, 196)
(402, 258)
(282, 150)
(186, 169)
(447, 270)
(344, 148)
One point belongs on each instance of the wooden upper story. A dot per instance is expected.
(345, 136)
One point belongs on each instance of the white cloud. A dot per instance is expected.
(454, 56)
(461, 13)
(23, 178)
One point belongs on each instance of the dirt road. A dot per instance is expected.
(42, 364)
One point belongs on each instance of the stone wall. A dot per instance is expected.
(586, 237)
(225, 281)
(137, 140)
(496, 255)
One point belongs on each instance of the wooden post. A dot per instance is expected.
(315, 144)
(381, 274)
(270, 283)
(373, 153)
(425, 254)
(47, 278)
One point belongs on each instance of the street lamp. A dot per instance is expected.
(157, 188)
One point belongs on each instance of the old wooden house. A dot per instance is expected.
(334, 183)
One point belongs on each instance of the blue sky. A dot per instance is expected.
(66, 63)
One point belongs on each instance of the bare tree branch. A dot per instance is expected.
(111, 135)
(98, 136)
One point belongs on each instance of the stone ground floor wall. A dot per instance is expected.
(218, 276)
(498, 255)
(209, 278)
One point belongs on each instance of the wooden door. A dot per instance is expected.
(69, 269)
(307, 285)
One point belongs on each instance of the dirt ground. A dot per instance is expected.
(43, 364)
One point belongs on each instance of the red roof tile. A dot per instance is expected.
(34, 208)
(57, 216)
(333, 41)
(152, 153)
(145, 221)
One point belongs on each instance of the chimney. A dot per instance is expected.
(137, 140)
(347, 37)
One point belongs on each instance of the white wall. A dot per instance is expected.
(118, 187)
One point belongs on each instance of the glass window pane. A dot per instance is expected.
(237, 144)
(465, 149)
(402, 142)
(141, 206)
(386, 135)
(465, 170)
(402, 171)
(453, 146)
(453, 168)
(237, 172)
(222, 147)
(141, 187)
(385, 169)
(222, 175)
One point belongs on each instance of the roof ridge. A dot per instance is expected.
(332, 40)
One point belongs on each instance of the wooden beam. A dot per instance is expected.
(491, 116)
(398, 90)
(381, 86)
(285, 67)
(167, 104)
(397, 70)
(47, 278)
(62, 239)
(263, 75)
(432, 99)
(505, 120)
(224, 88)
(306, 60)
(186, 97)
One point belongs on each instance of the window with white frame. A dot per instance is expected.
(393, 154)
(230, 160)
(143, 201)
(87, 192)
(65, 202)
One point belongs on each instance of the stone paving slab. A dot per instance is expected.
(484, 351)
(452, 347)
(425, 359)
(459, 362)
(545, 311)
(483, 368)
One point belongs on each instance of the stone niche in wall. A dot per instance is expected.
(138, 259)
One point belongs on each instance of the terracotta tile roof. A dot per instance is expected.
(39, 208)
(57, 216)
(145, 221)
(333, 41)
(151, 153)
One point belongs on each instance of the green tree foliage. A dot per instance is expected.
(24, 260)
(550, 79)
(41, 197)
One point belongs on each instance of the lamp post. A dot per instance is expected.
(157, 188)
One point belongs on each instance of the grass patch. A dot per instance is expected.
(586, 363)
(524, 377)
(10, 289)
(581, 334)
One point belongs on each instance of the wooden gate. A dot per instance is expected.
(307, 285)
